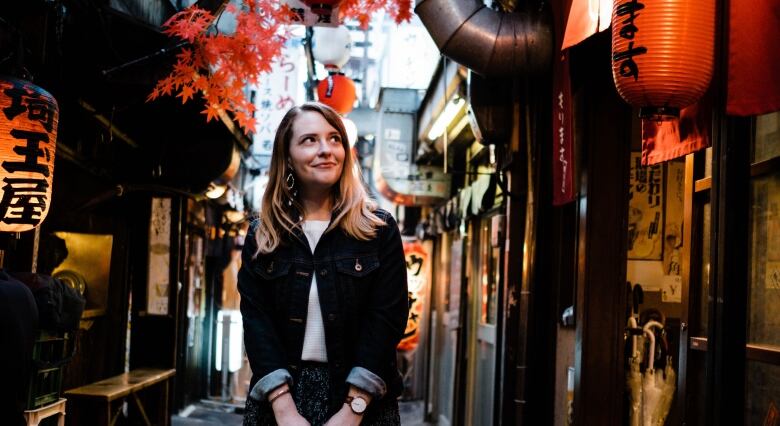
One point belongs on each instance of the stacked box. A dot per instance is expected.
(51, 353)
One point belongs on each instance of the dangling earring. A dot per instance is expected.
(290, 182)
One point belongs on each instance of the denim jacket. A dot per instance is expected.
(364, 300)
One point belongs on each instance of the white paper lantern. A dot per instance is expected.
(352, 131)
(331, 46)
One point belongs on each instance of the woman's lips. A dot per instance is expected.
(324, 165)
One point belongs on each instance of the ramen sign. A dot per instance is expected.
(417, 279)
(28, 136)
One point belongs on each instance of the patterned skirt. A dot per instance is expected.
(311, 396)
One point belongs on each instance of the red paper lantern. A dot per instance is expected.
(28, 139)
(662, 53)
(338, 92)
(322, 7)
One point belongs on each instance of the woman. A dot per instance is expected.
(323, 286)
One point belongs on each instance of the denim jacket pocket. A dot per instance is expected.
(357, 266)
(271, 269)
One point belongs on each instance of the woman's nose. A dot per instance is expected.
(325, 147)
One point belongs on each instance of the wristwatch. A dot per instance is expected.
(357, 403)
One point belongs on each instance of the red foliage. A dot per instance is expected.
(219, 66)
(361, 10)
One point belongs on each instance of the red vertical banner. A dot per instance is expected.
(754, 63)
(562, 146)
(563, 157)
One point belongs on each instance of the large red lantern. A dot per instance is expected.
(28, 139)
(338, 92)
(662, 53)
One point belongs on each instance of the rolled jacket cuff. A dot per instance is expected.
(270, 382)
(367, 381)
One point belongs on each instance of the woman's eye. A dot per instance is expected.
(308, 139)
(335, 138)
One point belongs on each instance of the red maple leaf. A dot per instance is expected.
(186, 93)
(211, 111)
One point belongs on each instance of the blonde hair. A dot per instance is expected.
(355, 210)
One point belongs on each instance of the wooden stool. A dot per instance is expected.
(34, 417)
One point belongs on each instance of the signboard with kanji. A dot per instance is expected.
(28, 136)
(645, 210)
(277, 92)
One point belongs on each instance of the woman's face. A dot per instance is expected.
(316, 152)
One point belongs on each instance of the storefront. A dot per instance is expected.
(130, 224)
(544, 327)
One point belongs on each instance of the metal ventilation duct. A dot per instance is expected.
(488, 42)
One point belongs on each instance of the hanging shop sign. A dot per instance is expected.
(417, 276)
(311, 13)
(563, 157)
(562, 146)
(331, 47)
(338, 92)
(28, 140)
(662, 53)
(277, 92)
(158, 279)
(586, 17)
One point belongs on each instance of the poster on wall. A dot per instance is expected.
(671, 287)
(159, 257)
(645, 210)
(417, 279)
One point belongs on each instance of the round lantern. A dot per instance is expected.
(662, 53)
(28, 139)
(331, 46)
(338, 92)
(352, 131)
(321, 7)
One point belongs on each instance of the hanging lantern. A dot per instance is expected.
(28, 139)
(331, 46)
(338, 92)
(662, 53)
(352, 131)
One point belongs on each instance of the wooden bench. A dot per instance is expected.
(118, 388)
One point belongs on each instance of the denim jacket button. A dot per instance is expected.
(324, 272)
(331, 317)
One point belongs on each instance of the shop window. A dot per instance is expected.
(762, 370)
(764, 293)
(767, 139)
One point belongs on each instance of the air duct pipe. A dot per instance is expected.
(489, 42)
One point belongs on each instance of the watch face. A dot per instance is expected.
(358, 405)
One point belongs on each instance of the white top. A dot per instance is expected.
(314, 337)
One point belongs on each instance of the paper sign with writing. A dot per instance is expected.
(277, 92)
(645, 210)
